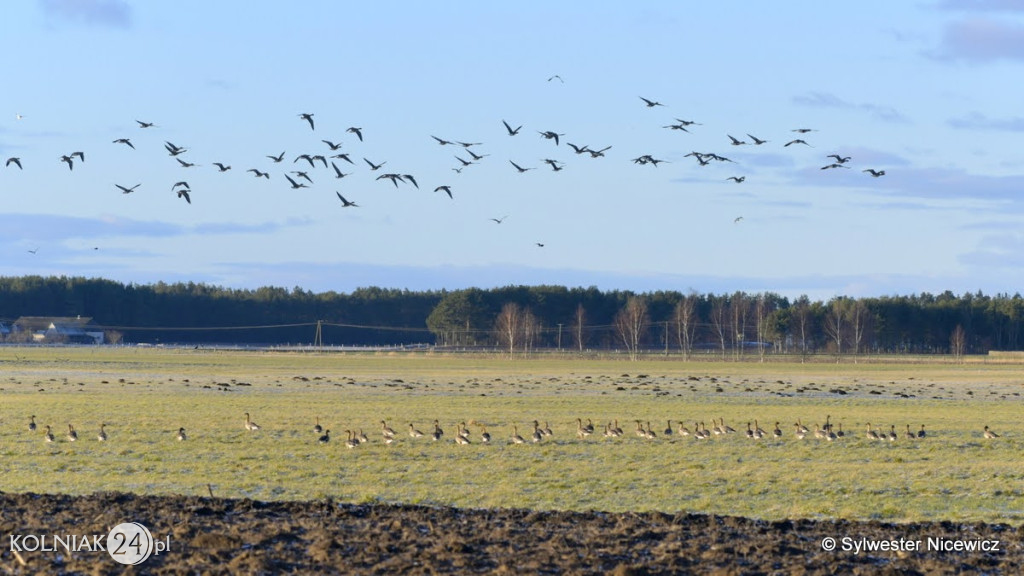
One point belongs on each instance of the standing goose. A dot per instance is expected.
(485, 436)
(438, 433)
(460, 436)
(909, 434)
(871, 434)
(72, 435)
(800, 434)
(352, 442)
(537, 435)
(388, 431)
(649, 433)
(413, 432)
(839, 431)
(250, 425)
(181, 435)
(920, 433)
(683, 430)
(325, 438)
(516, 438)
(892, 433)
(777, 432)
(49, 434)
(362, 437)
(668, 428)
(317, 428)
(31, 423)
(102, 436)
(990, 434)
(582, 431)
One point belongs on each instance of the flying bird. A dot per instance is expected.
(374, 166)
(446, 189)
(737, 220)
(874, 173)
(185, 164)
(839, 159)
(125, 141)
(554, 164)
(467, 144)
(183, 193)
(464, 162)
(539, 245)
(757, 141)
(476, 157)
(357, 131)
(393, 177)
(295, 185)
(499, 220)
(69, 161)
(803, 130)
(736, 142)
(344, 157)
(182, 184)
(305, 157)
(677, 127)
(127, 190)
(173, 149)
(441, 141)
(34, 250)
(259, 174)
(651, 103)
(145, 124)
(302, 174)
(308, 118)
(558, 77)
(221, 167)
(338, 173)
(578, 149)
(345, 203)
(797, 141)
(511, 131)
(411, 179)
(15, 161)
(278, 158)
(599, 153)
(518, 167)
(834, 165)
(550, 135)
(737, 179)
(332, 145)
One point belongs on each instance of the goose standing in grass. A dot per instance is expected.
(702, 432)
(438, 433)
(728, 429)
(485, 436)
(516, 438)
(31, 423)
(461, 435)
(388, 431)
(920, 433)
(352, 441)
(250, 425)
(537, 435)
(49, 434)
(801, 427)
(871, 434)
(102, 436)
(909, 434)
(758, 431)
(892, 433)
(72, 435)
(649, 433)
(413, 432)
(582, 432)
(317, 428)
(546, 430)
(990, 434)
(668, 428)
(777, 432)
(181, 435)
(683, 430)
(800, 434)
(325, 438)
(362, 437)
(839, 431)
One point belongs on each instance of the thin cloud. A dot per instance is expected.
(982, 5)
(45, 227)
(826, 100)
(979, 40)
(108, 13)
(978, 121)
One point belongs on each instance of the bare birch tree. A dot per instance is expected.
(719, 323)
(802, 323)
(958, 343)
(579, 327)
(685, 317)
(508, 326)
(631, 323)
(835, 323)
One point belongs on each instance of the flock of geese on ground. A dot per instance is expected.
(299, 172)
(700, 431)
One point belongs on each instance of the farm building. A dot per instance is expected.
(58, 329)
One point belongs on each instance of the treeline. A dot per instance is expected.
(530, 317)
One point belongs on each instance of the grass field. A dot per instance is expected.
(145, 395)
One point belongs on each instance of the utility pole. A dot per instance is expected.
(666, 337)
(559, 336)
(318, 340)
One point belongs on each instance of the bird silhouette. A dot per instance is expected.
(476, 157)
(467, 144)
(578, 149)
(539, 245)
(839, 159)
(338, 173)
(558, 77)
(125, 141)
(803, 130)
(651, 103)
(518, 167)
(797, 141)
(441, 141)
(599, 153)
(834, 165)
(295, 185)
(874, 173)
(737, 219)
(127, 190)
(183, 193)
(173, 149)
(737, 179)
(69, 161)
(345, 203)
(464, 162)
(446, 189)
(757, 141)
(308, 118)
(145, 124)
(345, 158)
(550, 135)
(15, 161)
(357, 131)
(302, 174)
(278, 158)
(259, 174)
(393, 177)
(499, 220)
(374, 166)
(185, 164)
(736, 142)
(332, 145)
(511, 131)
(183, 184)
(409, 178)
(221, 167)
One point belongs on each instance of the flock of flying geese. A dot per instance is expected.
(463, 436)
(298, 177)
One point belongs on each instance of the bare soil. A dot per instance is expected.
(223, 536)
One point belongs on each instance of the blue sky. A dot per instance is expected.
(928, 91)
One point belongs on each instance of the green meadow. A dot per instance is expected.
(144, 395)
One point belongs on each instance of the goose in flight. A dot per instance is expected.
(345, 158)
(874, 173)
(464, 162)
(539, 245)
(797, 141)
(295, 185)
(332, 145)
(345, 203)
(15, 161)
(834, 165)
(736, 142)
(305, 157)
(441, 141)
(803, 130)
(757, 141)
(357, 131)
(145, 124)
(499, 220)
(183, 193)
(550, 135)
(737, 219)
(125, 141)
(337, 173)
(737, 179)
(185, 164)
(558, 77)
(677, 127)
(277, 159)
(468, 144)
(308, 118)
(839, 159)
(446, 189)
(173, 149)
(599, 153)
(302, 174)
(554, 164)
(125, 190)
(651, 103)
(688, 122)
(393, 177)
(259, 174)
(374, 166)
(410, 178)
(518, 167)
(511, 131)
(183, 184)
(69, 161)
(476, 157)
(578, 149)
(221, 167)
